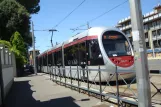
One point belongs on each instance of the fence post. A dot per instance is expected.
(71, 76)
(100, 82)
(50, 71)
(59, 75)
(55, 73)
(117, 84)
(78, 78)
(87, 80)
(65, 77)
(1, 80)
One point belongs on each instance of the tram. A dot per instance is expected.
(98, 47)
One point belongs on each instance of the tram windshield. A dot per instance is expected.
(115, 44)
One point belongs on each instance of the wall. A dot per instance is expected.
(7, 70)
(7, 78)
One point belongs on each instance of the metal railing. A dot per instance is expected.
(109, 91)
(121, 91)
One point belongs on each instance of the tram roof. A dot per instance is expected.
(90, 32)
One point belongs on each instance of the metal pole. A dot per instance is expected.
(100, 82)
(1, 81)
(55, 73)
(141, 64)
(50, 71)
(51, 39)
(65, 78)
(59, 75)
(117, 85)
(87, 80)
(52, 65)
(33, 44)
(47, 62)
(71, 76)
(78, 78)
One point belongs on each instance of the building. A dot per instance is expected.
(152, 28)
(31, 55)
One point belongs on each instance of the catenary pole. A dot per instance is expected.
(34, 53)
(141, 64)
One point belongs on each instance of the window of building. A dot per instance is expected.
(159, 32)
(146, 27)
(147, 45)
(159, 22)
(150, 25)
(146, 35)
(154, 24)
(154, 33)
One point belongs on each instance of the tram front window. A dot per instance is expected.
(115, 44)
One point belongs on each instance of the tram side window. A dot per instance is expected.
(53, 62)
(55, 58)
(74, 54)
(39, 61)
(82, 53)
(45, 60)
(41, 58)
(49, 59)
(71, 55)
(58, 58)
(66, 56)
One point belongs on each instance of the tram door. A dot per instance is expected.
(83, 60)
(59, 65)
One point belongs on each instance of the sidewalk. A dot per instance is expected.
(39, 91)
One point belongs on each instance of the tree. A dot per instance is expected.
(14, 17)
(17, 46)
(31, 5)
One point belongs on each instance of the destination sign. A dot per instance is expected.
(111, 37)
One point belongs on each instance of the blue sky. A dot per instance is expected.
(52, 11)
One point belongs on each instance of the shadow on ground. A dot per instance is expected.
(21, 96)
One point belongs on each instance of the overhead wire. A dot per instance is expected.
(103, 13)
(69, 14)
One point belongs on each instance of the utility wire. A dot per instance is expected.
(104, 13)
(70, 13)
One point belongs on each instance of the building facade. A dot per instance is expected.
(31, 56)
(152, 28)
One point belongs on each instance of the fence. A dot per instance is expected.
(7, 72)
(122, 92)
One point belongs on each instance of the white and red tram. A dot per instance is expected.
(98, 46)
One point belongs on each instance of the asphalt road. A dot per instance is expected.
(154, 64)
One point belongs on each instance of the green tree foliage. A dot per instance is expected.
(14, 17)
(17, 46)
(31, 5)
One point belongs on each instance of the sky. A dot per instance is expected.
(53, 11)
